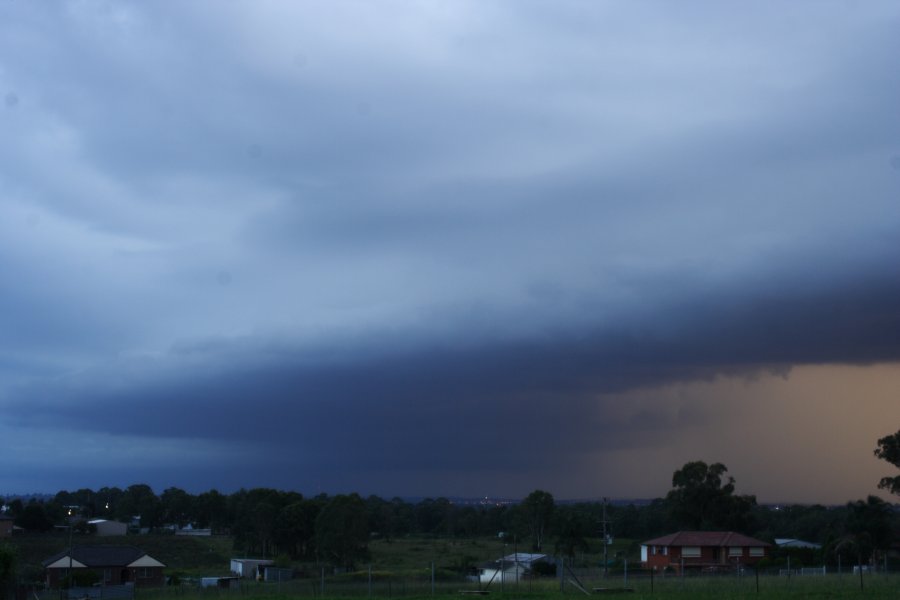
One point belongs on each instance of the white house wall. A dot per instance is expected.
(63, 563)
(146, 561)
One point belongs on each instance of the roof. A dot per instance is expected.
(100, 556)
(705, 538)
(511, 561)
(524, 557)
(795, 543)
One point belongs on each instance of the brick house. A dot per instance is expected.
(114, 565)
(702, 550)
(6, 526)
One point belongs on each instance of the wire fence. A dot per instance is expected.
(801, 581)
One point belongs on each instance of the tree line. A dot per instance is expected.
(337, 529)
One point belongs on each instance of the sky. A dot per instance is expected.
(467, 248)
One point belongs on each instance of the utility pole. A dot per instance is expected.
(605, 541)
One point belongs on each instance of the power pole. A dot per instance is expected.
(605, 541)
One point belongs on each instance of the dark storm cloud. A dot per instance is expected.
(372, 406)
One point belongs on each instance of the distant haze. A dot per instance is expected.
(449, 248)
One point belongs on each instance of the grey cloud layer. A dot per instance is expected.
(459, 215)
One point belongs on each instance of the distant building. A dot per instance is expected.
(191, 531)
(104, 527)
(702, 550)
(510, 568)
(249, 568)
(114, 565)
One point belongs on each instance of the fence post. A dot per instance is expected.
(432, 578)
(370, 581)
(562, 573)
(859, 564)
(625, 580)
(323, 582)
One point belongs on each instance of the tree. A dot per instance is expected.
(295, 527)
(703, 498)
(538, 509)
(139, 500)
(34, 517)
(342, 531)
(571, 525)
(889, 449)
(176, 506)
(211, 510)
(7, 568)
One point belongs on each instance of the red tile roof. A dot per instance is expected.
(705, 538)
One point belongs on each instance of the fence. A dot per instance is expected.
(573, 582)
(107, 592)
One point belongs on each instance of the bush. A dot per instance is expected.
(81, 578)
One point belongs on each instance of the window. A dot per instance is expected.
(143, 572)
(653, 550)
(757, 551)
(665, 550)
(691, 551)
(107, 575)
(735, 551)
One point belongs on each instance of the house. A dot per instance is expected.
(706, 550)
(249, 568)
(6, 526)
(510, 568)
(113, 565)
(104, 527)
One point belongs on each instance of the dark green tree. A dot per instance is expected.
(889, 449)
(537, 508)
(7, 569)
(138, 500)
(703, 498)
(571, 526)
(211, 511)
(434, 515)
(868, 527)
(176, 506)
(342, 532)
(34, 517)
(295, 528)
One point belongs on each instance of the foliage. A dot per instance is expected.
(867, 529)
(342, 531)
(34, 517)
(571, 526)
(703, 498)
(889, 450)
(81, 578)
(295, 527)
(7, 565)
(537, 509)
